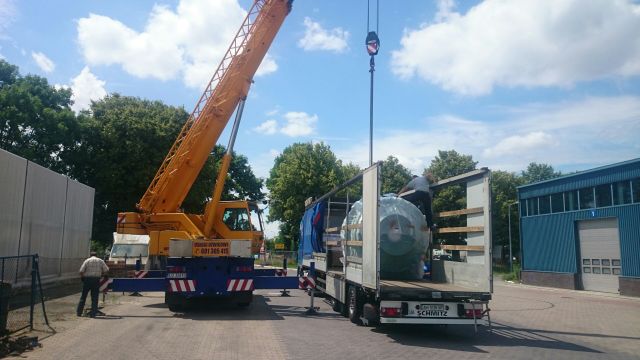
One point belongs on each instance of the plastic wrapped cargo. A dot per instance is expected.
(403, 238)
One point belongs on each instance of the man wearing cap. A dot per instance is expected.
(91, 271)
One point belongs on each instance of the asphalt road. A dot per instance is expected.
(529, 323)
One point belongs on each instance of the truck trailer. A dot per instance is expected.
(373, 253)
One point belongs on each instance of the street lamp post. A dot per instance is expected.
(510, 252)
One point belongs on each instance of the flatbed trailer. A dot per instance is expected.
(452, 292)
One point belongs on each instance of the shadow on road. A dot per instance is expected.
(298, 311)
(212, 309)
(463, 338)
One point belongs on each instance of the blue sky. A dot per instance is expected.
(552, 81)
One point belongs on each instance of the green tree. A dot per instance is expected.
(303, 170)
(539, 172)
(123, 142)
(394, 175)
(240, 184)
(36, 121)
(445, 165)
(503, 193)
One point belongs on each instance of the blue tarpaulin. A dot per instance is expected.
(311, 229)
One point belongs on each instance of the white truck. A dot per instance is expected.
(128, 248)
(373, 254)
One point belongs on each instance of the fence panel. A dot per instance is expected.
(13, 172)
(275, 258)
(20, 293)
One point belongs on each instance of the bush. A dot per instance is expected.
(503, 270)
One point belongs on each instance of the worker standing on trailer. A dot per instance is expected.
(421, 196)
(91, 271)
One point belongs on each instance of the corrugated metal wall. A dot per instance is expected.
(607, 174)
(550, 241)
(44, 213)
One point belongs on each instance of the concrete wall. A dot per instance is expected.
(629, 286)
(43, 213)
(551, 279)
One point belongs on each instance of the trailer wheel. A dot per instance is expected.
(355, 306)
(174, 302)
(244, 299)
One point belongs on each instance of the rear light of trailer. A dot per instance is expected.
(469, 313)
(390, 312)
(176, 269)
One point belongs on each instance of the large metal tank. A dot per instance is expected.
(403, 238)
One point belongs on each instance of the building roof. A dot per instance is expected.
(601, 175)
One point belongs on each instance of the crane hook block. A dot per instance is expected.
(373, 43)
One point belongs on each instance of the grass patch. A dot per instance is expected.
(503, 271)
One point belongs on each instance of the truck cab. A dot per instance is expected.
(128, 248)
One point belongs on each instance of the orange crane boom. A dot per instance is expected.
(228, 86)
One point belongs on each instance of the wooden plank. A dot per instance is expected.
(442, 214)
(466, 229)
(346, 227)
(333, 242)
(354, 243)
(460, 247)
(460, 178)
(353, 259)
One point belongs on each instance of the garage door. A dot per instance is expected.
(600, 254)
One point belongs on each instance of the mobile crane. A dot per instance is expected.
(208, 255)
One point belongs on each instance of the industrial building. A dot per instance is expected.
(582, 231)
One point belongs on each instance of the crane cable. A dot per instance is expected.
(377, 15)
(372, 43)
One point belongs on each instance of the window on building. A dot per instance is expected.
(603, 195)
(523, 208)
(571, 200)
(635, 186)
(586, 198)
(557, 203)
(622, 193)
(545, 204)
(532, 206)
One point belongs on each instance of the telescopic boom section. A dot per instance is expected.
(227, 87)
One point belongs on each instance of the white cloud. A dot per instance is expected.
(296, 123)
(187, 42)
(445, 9)
(263, 163)
(318, 38)
(267, 66)
(44, 63)
(299, 124)
(86, 87)
(523, 43)
(594, 131)
(519, 143)
(268, 127)
(8, 14)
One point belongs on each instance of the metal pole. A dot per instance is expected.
(33, 289)
(510, 254)
(312, 274)
(372, 69)
(510, 251)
